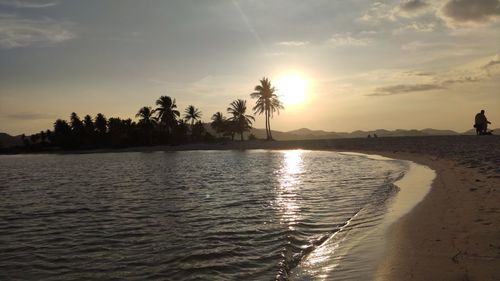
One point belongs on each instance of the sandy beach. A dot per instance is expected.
(454, 233)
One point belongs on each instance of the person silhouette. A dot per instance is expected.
(481, 123)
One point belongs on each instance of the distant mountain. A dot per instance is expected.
(7, 140)
(305, 134)
(434, 132)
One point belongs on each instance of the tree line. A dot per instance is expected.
(158, 126)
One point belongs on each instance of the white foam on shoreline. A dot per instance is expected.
(358, 258)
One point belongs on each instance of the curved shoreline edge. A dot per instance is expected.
(413, 187)
(452, 234)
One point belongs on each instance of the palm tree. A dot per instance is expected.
(88, 123)
(76, 123)
(218, 121)
(89, 130)
(43, 137)
(192, 114)
(167, 113)
(146, 117)
(146, 123)
(101, 124)
(62, 133)
(267, 102)
(242, 121)
(198, 130)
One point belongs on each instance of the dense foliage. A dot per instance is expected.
(162, 125)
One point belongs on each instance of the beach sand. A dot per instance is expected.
(454, 233)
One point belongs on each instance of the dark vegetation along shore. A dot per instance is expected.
(162, 125)
(165, 125)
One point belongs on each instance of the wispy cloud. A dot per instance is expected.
(29, 116)
(293, 43)
(376, 13)
(418, 73)
(461, 80)
(347, 39)
(17, 32)
(429, 81)
(494, 61)
(419, 45)
(404, 89)
(416, 27)
(28, 4)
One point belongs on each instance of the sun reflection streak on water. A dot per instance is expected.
(289, 182)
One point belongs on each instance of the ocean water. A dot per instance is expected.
(191, 215)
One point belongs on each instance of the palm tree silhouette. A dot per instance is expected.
(62, 133)
(146, 123)
(218, 122)
(88, 123)
(100, 123)
(76, 123)
(192, 114)
(267, 103)
(242, 121)
(146, 117)
(167, 113)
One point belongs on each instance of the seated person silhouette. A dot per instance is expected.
(481, 124)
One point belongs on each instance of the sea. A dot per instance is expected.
(195, 215)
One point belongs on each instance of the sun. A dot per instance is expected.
(292, 89)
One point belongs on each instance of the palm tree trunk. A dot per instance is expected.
(269, 126)
(241, 134)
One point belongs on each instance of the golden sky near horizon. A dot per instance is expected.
(337, 65)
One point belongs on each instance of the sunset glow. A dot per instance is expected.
(378, 64)
(292, 89)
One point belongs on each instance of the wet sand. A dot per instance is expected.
(454, 233)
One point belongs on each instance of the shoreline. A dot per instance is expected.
(453, 233)
(358, 252)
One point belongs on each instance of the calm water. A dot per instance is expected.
(200, 215)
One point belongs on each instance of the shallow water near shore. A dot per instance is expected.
(193, 215)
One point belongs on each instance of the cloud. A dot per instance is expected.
(346, 39)
(23, 32)
(461, 80)
(419, 73)
(460, 11)
(492, 62)
(377, 12)
(412, 5)
(419, 46)
(28, 4)
(417, 27)
(293, 43)
(429, 81)
(30, 116)
(404, 89)
(380, 12)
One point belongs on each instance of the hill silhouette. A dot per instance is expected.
(7, 140)
(308, 134)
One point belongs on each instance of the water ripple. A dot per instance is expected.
(200, 215)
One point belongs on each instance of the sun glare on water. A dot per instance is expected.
(292, 89)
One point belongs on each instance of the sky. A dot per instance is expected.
(357, 64)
